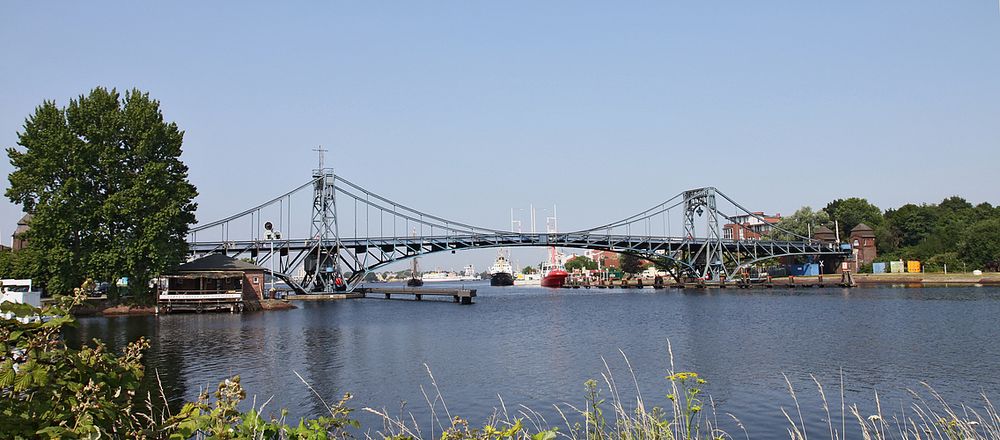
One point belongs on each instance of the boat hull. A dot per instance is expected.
(556, 279)
(501, 279)
(414, 282)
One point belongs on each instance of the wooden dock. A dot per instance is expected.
(461, 296)
(323, 296)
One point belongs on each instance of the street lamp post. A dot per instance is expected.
(271, 234)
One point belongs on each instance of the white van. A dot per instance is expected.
(20, 292)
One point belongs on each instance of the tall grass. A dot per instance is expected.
(606, 413)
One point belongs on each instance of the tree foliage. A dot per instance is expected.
(851, 212)
(107, 189)
(981, 246)
(581, 262)
(803, 222)
(22, 263)
(630, 263)
(952, 232)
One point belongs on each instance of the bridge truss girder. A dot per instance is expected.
(332, 256)
(684, 257)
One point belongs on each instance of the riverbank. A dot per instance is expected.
(276, 304)
(103, 307)
(949, 279)
(910, 279)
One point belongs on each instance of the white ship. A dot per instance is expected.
(468, 274)
(501, 273)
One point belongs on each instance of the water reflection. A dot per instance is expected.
(536, 347)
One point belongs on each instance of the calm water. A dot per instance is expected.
(536, 347)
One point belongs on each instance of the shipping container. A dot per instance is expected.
(896, 266)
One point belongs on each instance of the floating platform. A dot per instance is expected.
(461, 296)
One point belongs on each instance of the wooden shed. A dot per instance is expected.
(213, 282)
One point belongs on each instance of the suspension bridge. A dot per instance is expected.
(353, 231)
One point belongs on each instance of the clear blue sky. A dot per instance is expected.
(466, 109)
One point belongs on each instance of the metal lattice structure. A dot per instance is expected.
(336, 256)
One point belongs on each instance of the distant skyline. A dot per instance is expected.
(467, 110)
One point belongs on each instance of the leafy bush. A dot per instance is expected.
(52, 391)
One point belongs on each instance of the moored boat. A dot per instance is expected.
(415, 280)
(555, 276)
(553, 272)
(501, 273)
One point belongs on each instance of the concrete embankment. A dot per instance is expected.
(959, 279)
(923, 279)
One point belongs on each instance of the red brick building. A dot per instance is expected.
(863, 243)
(18, 241)
(603, 258)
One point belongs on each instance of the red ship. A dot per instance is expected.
(554, 273)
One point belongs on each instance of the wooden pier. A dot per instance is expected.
(461, 296)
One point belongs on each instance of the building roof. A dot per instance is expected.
(863, 230)
(217, 263)
(824, 233)
(22, 224)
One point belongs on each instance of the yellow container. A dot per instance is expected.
(913, 266)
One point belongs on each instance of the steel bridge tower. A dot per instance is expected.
(322, 265)
(701, 202)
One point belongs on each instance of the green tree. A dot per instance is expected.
(630, 263)
(911, 223)
(981, 246)
(528, 270)
(21, 263)
(853, 211)
(803, 222)
(581, 262)
(107, 189)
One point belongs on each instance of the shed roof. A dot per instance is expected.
(217, 263)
